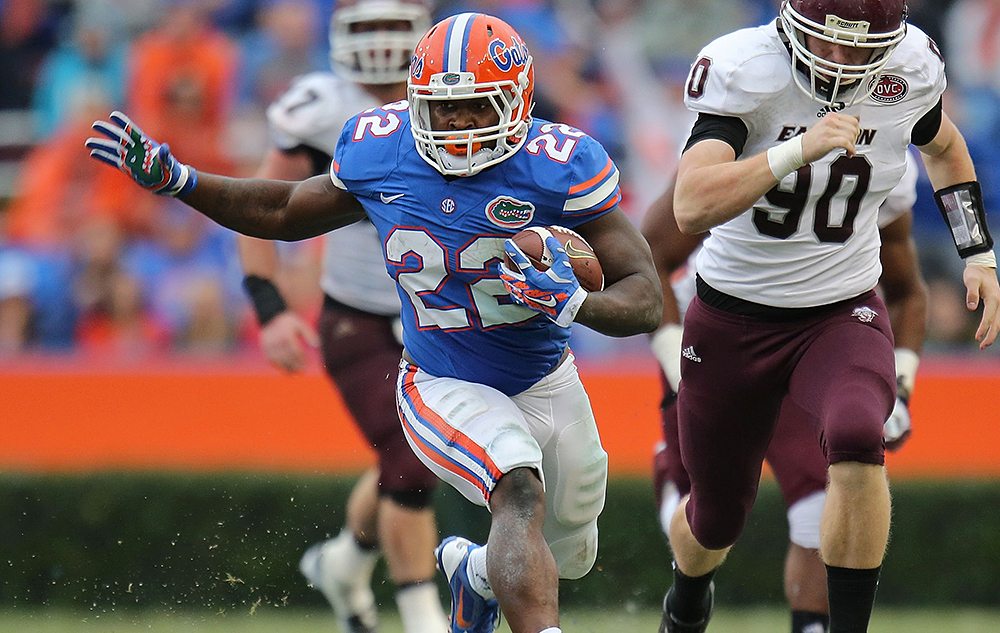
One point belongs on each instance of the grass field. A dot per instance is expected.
(726, 621)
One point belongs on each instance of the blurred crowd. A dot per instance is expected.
(90, 262)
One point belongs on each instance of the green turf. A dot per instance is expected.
(269, 620)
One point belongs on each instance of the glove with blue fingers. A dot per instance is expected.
(149, 163)
(555, 292)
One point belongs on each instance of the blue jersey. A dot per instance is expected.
(443, 239)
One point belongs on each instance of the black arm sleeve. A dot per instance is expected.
(729, 129)
(927, 127)
(320, 159)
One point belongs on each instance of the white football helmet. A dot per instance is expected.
(877, 26)
(471, 56)
(372, 41)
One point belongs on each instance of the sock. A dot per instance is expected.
(810, 622)
(852, 596)
(420, 607)
(358, 562)
(476, 568)
(689, 596)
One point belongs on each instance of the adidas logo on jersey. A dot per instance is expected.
(688, 353)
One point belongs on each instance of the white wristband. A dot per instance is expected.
(785, 158)
(986, 260)
(907, 362)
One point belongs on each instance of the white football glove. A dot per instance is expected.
(897, 428)
(666, 346)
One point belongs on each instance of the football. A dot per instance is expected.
(585, 263)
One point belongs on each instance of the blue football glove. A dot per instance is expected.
(146, 161)
(556, 292)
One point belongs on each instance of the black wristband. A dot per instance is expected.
(266, 299)
(962, 208)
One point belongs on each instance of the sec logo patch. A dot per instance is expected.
(890, 89)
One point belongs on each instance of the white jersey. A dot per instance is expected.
(898, 203)
(812, 240)
(313, 113)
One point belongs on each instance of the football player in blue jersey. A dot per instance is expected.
(488, 393)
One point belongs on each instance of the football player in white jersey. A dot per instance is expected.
(488, 392)
(794, 453)
(390, 508)
(802, 129)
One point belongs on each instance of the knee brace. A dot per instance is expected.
(804, 520)
(576, 551)
(576, 499)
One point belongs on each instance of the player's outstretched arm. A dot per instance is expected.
(632, 300)
(267, 209)
(959, 199)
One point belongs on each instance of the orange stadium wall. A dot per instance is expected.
(75, 416)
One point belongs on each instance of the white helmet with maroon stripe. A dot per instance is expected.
(372, 41)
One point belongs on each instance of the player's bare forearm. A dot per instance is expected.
(903, 285)
(629, 306)
(260, 257)
(670, 248)
(713, 187)
(632, 301)
(274, 209)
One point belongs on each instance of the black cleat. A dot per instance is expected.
(670, 624)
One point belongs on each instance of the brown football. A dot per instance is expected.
(585, 263)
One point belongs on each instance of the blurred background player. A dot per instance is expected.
(794, 453)
(488, 391)
(390, 508)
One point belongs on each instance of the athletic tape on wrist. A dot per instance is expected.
(267, 301)
(986, 260)
(785, 158)
(568, 314)
(962, 208)
(907, 362)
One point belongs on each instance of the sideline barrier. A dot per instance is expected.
(74, 415)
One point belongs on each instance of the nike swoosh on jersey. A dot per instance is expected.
(387, 199)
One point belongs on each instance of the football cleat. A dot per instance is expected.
(670, 624)
(328, 566)
(470, 612)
